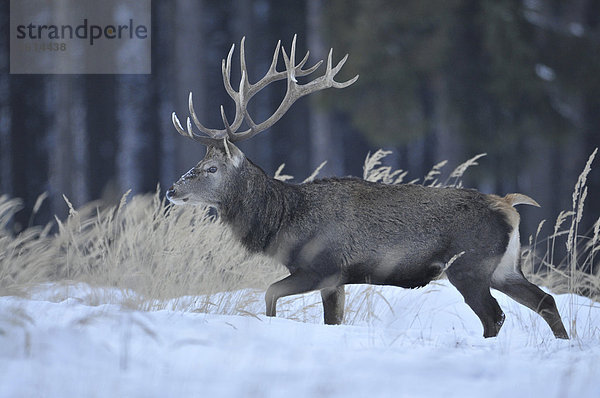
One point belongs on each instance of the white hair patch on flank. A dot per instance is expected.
(507, 269)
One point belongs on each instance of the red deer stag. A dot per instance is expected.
(338, 231)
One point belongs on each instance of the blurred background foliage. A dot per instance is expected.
(439, 80)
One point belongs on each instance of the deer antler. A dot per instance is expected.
(246, 91)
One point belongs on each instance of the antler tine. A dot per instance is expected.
(301, 63)
(298, 71)
(339, 65)
(177, 125)
(235, 95)
(190, 132)
(273, 67)
(226, 72)
(195, 137)
(304, 72)
(242, 90)
(243, 67)
(212, 133)
(289, 68)
(292, 70)
(336, 69)
(192, 111)
(346, 83)
(225, 121)
(240, 97)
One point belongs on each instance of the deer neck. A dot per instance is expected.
(257, 207)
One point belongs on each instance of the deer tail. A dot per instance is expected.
(520, 199)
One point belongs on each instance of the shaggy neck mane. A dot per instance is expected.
(256, 206)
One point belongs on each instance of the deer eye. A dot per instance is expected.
(212, 169)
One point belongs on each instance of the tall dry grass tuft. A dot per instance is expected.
(151, 251)
(374, 171)
(159, 252)
(575, 270)
(27, 258)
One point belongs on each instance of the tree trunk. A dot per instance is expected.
(162, 103)
(252, 21)
(190, 75)
(131, 98)
(5, 122)
(68, 161)
(100, 99)
(101, 123)
(133, 103)
(28, 141)
(447, 140)
(323, 144)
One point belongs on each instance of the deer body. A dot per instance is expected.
(339, 231)
(349, 230)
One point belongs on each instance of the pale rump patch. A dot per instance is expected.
(507, 268)
(505, 207)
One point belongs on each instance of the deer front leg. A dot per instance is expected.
(296, 283)
(334, 299)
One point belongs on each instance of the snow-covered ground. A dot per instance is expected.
(415, 343)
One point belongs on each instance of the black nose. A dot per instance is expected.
(170, 192)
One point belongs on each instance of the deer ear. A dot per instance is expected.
(233, 153)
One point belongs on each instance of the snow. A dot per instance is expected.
(415, 343)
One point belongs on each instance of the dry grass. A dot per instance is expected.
(160, 256)
(152, 252)
(25, 259)
(566, 260)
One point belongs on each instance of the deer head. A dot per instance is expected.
(209, 180)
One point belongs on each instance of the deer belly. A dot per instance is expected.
(393, 274)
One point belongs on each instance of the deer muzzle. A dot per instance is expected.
(175, 197)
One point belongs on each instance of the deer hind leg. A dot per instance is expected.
(509, 279)
(334, 299)
(473, 282)
(517, 287)
(478, 297)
